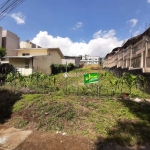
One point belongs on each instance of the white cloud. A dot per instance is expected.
(99, 46)
(78, 25)
(139, 31)
(18, 17)
(133, 22)
(97, 34)
(136, 33)
(148, 1)
(104, 34)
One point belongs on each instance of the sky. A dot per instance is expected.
(78, 27)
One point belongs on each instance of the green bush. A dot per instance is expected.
(58, 68)
(5, 69)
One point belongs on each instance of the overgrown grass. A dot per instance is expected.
(121, 121)
(77, 110)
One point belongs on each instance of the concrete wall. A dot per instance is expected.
(10, 41)
(56, 57)
(42, 63)
(0, 36)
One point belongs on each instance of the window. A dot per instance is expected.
(25, 54)
(26, 63)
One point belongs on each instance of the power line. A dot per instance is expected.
(9, 6)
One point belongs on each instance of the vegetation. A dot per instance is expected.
(5, 69)
(121, 121)
(72, 107)
(58, 68)
(73, 84)
(2, 52)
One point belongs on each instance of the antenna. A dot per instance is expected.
(145, 25)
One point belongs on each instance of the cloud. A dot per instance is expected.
(133, 22)
(19, 18)
(139, 31)
(97, 34)
(136, 33)
(99, 46)
(104, 34)
(78, 25)
(148, 1)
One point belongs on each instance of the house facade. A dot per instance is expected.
(35, 59)
(133, 55)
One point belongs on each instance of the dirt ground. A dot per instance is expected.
(16, 139)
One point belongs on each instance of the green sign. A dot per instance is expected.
(90, 78)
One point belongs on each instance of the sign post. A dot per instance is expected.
(98, 77)
(66, 77)
(93, 78)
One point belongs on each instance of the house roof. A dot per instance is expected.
(135, 39)
(18, 56)
(57, 49)
(28, 56)
(116, 49)
(71, 57)
(131, 41)
(112, 53)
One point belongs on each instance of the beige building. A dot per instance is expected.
(28, 44)
(36, 59)
(133, 55)
(10, 41)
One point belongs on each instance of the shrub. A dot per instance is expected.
(58, 68)
(6, 68)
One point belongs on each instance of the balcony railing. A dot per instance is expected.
(140, 50)
(136, 62)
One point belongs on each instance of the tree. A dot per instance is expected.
(2, 52)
